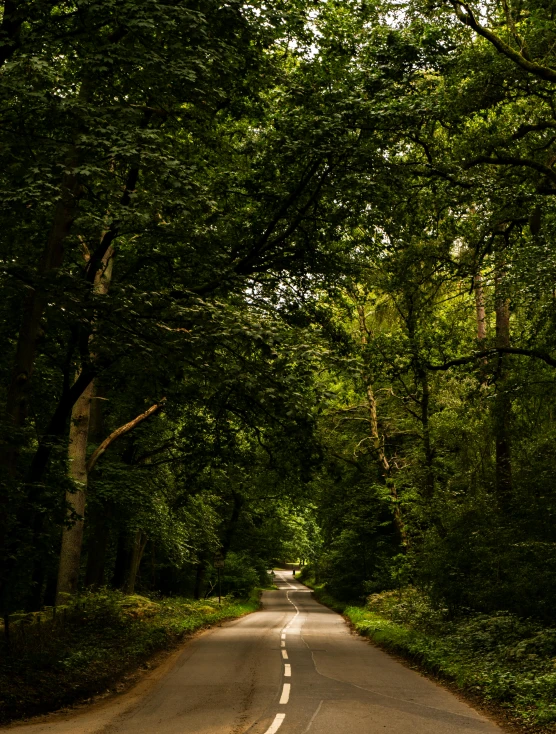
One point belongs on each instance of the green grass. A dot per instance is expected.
(320, 592)
(105, 637)
(498, 658)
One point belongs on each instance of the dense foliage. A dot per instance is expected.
(277, 281)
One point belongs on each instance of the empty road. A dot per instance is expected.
(293, 667)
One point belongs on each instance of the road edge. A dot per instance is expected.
(130, 688)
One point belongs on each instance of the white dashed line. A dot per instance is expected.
(276, 724)
(286, 688)
(292, 620)
(285, 697)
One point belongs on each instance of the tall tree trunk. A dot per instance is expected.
(481, 324)
(35, 304)
(502, 403)
(139, 543)
(422, 379)
(199, 578)
(64, 215)
(97, 270)
(480, 309)
(425, 408)
(98, 513)
(52, 257)
(385, 467)
(99, 535)
(22, 368)
(121, 566)
(377, 441)
(153, 565)
(72, 538)
(231, 527)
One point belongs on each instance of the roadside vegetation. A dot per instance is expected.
(497, 659)
(96, 645)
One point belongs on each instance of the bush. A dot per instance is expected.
(505, 659)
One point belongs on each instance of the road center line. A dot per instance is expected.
(282, 644)
(285, 697)
(287, 670)
(284, 654)
(276, 724)
(292, 620)
(285, 581)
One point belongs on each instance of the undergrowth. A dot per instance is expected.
(499, 658)
(110, 637)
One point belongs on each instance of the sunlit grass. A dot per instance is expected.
(499, 657)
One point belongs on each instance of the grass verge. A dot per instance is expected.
(505, 662)
(105, 636)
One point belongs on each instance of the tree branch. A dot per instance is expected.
(512, 161)
(544, 356)
(465, 15)
(122, 430)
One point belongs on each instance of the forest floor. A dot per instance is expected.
(97, 646)
(499, 661)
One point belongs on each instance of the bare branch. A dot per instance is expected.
(122, 430)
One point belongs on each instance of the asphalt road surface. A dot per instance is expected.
(293, 667)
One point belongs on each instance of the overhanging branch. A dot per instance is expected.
(512, 161)
(544, 356)
(95, 456)
(465, 15)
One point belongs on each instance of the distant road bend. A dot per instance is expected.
(293, 667)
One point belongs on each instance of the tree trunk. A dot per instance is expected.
(153, 565)
(96, 550)
(139, 543)
(422, 379)
(98, 514)
(231, 527)
(72, 538)
(18, 390)
(52, 258)
(122, 563)
(384, 466)
(377, 441)
(35, 599)
(480, 310)
(502, 404)
(425, 406)
(199, 579)
(481, 324)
